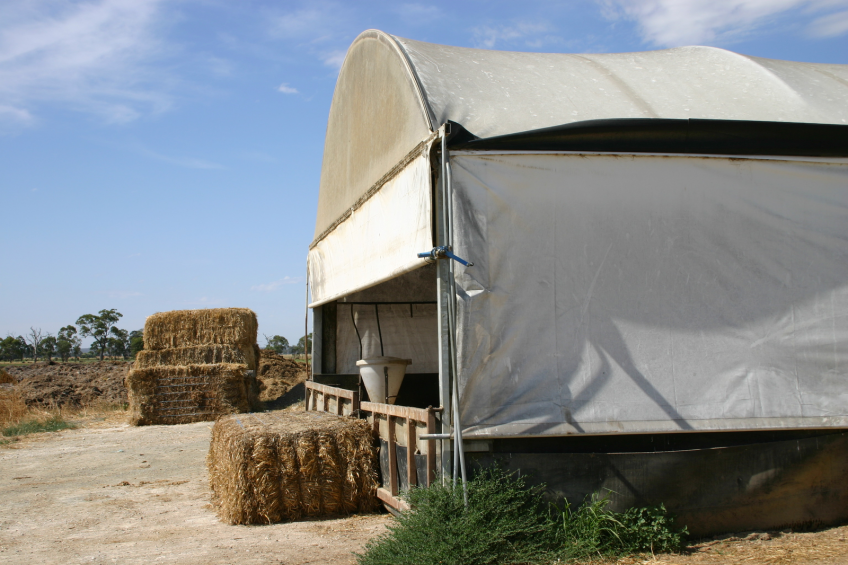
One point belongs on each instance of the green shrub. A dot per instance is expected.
(52, 424)
(506, 523)
(594, 530)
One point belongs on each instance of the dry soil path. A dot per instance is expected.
(122, 494)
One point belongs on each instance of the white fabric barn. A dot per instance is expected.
(660, 239)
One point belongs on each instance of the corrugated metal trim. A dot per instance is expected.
(422, 147)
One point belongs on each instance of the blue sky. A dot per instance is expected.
(159, 155)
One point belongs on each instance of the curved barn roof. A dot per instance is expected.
(393, 92)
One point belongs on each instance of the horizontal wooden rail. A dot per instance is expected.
(427, 416)
(417, 414)
(326, 392)
(412, 416)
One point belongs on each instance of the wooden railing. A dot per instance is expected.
(325, 398)
(410, 418)
(385, 419)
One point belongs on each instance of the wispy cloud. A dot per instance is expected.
(204, 301)
(488, 37)
(187, 162)
(830, 25)
(334, 59)
(304, 22)
(272, 286)
(258, 156)
(286, 89)
(219, 67)
(670, 23)
(122, 293)
(91, 56)
(418, 14)
(14, 114)
(322, 29)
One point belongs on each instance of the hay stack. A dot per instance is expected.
(197, 365)
(188, 328)
(278, 466)
(198, 355)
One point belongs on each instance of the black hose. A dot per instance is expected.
(359, 337)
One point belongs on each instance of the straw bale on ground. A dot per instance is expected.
(194, 393)
(279, 466)
(190, 328)
(199, 355)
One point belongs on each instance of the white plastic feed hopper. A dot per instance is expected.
(378, 373)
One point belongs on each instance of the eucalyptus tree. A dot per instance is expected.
(101, 327)
(33, 339)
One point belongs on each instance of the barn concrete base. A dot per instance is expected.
(725, 483)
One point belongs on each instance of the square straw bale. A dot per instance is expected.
(188, 328)
(198, 355)
(193, 393)
(282, 465)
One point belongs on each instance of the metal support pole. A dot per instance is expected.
(306, 326)
(443, 293)
(459, 445)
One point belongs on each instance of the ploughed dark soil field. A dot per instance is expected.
(79, 384)
(71, 384)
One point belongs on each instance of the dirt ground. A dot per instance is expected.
(280, 380)
(111, 493)
(119, 494)
(827, 547)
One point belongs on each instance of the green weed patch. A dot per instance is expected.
(506, 522)
(52, 424)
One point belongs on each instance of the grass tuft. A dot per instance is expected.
(507, 523)
(33, 426)
(12, 407)
(592, 529)
(6, 378)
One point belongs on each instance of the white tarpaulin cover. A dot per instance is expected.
(409, 331)
(408, 323)
(616, 293)
(500, 92)
(393, 93)
(379, 240)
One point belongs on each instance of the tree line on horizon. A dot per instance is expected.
(109, 339)
(280, 345)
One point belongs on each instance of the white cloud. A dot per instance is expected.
(670, 23)
(90, 56)
(487, 37)
(418, 14)
(272, 286)
(219, 67)
(258, 156)
(204, 301)
(123, 293)
(830, 25)
(187, 162)
(334, 59)
(11, 113)
(286, 89)
(302, 22)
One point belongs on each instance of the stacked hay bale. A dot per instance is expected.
(197, 365)
(283, 465)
